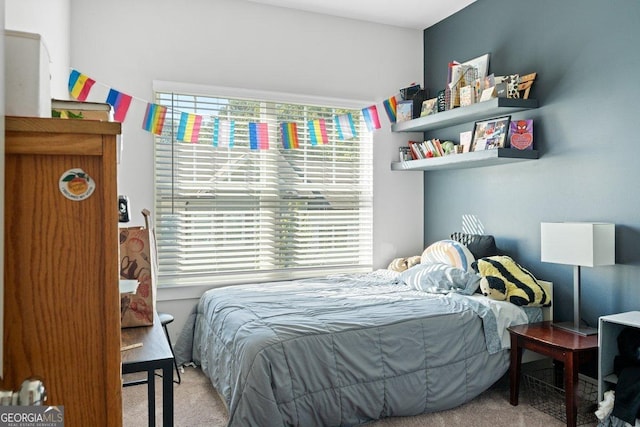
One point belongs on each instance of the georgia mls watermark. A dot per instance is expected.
(31, 416)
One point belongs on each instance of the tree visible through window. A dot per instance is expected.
(235, 214)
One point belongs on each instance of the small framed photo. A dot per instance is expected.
(490, 134)
(429, 106)
(404, 111)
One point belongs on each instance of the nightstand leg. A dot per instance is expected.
(570, 387)
(514, 370)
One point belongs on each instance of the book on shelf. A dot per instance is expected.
(405, 153)
(438, 146)
(81, 110)
(431, 148)
(426, 149)
(414, 150)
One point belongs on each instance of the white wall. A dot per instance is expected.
(127, 45)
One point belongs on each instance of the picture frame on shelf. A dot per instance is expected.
(521, 134)
(490, 134)
(404, 111)
(429, 106)
(465, 141)
(467, 95)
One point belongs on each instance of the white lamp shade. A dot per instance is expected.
(577, 243)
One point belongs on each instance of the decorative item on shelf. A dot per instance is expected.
(514, 85)
(581, 244)
(525, 84)
(410, 91)
(405, 153)
(442, 102)
(511, 82)
(485, 88)
(464, 74)
(467, 95)
(488, 93)
(521, 134)
(429, 106)
(465, 141)
(416, 94)
(448, 147)
(490, 134)
(418, 99)
(404, 111)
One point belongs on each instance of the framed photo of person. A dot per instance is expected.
(490, 134)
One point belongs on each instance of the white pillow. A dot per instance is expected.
(448, 252)
(440, 279)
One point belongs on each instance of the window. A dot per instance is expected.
(236, 215)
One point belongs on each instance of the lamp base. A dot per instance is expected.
(571, 327)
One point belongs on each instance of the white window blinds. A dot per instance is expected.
(232, 214)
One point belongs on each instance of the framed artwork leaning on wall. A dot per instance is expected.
(490, 134)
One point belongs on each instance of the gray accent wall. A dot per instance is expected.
(587, 130)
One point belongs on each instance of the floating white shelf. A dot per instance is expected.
(494, 107)
(467, 160)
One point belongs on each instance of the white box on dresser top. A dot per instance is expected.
(27, 75)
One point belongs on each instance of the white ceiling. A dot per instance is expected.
(417, 14)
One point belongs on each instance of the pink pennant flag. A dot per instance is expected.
(345, 126)
(371, 118)
(120, 103)
(258, 136)
(189, 127)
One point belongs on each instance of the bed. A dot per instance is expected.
(348, 349)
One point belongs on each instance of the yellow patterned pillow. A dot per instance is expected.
(504, 279)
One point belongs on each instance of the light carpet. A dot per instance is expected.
(197, 404)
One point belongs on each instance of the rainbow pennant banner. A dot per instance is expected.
(154, 118)
(318, 132)
(371, 118)
(258, 136)
(390, 106)
(120, 103)
(79, 85)
(223, 132)
(344, 125)
(189, 127)
(289, 131)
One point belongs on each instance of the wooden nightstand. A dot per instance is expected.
(561, 345)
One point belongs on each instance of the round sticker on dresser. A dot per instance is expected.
(76, 185)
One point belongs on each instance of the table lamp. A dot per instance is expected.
(581, 244)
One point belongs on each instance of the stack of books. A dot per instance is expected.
(81, 110)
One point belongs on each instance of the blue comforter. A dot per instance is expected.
(341, 350)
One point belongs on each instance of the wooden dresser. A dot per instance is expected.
(62, 305)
